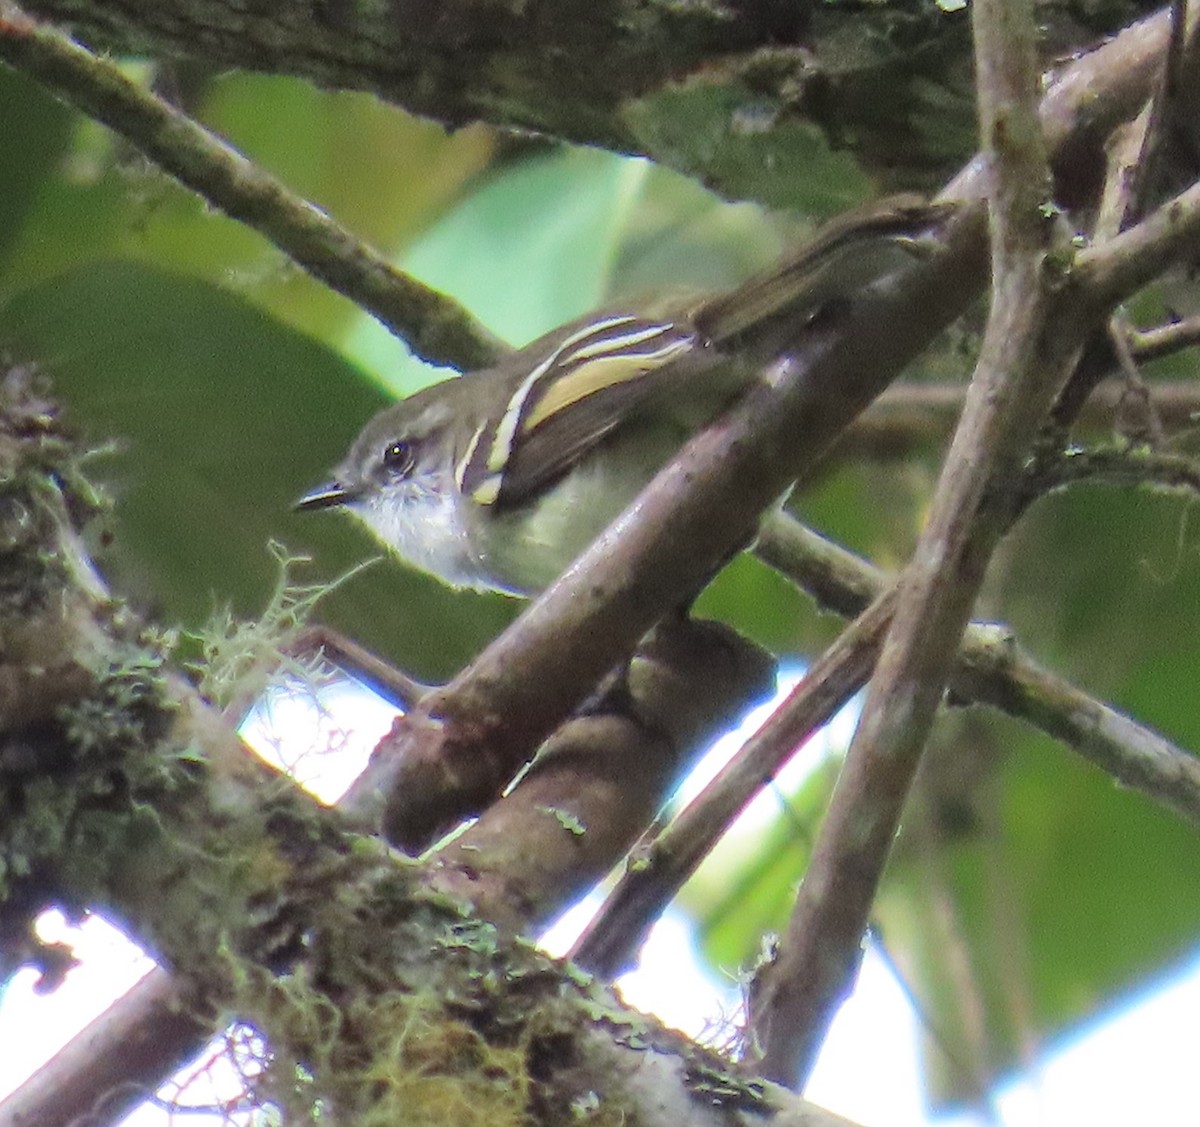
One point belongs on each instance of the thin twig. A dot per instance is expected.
(1165, 340)
(994, 669)
(1111, 271)
(1132, 155)
(1120, 466)
(433, 325)
(1136, 148)
(1125, 148)
(1137, 416)
(1170, 99)
(909, 417)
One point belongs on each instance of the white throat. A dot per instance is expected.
(420, 522)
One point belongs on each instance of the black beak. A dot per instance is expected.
(328, 496)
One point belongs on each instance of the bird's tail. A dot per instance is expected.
(851, 252)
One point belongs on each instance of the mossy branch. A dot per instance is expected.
(381, 1001)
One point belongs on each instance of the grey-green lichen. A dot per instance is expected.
(239, 659)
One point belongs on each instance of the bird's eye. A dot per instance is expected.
(398, 458)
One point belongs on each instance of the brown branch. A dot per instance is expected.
(1017, 376)
(1174, 101)
(591, 76)
(1136, 148)
(434, 326)
(1123, 70)
(1130, 156)
(659, 869)
(1165, 340)
(549, 69)
(908, 417)
(1008, 678)
(1122, 183)
(1109, 272)
(1121, 467)
(117, 1061)
(991, 669)
(994, 669)
(604, 775)
(1137, 419)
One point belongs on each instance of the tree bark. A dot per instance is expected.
(122, 790)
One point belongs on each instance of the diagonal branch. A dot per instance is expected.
(1110, 271)
(994, 669)
(117, 1061)
(434, 326)
(601, 778)
(1165, 340)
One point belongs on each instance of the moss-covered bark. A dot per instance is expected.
(383, 1002)
(758, 98)
(800, 105)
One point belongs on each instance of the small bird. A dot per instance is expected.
(497, 479)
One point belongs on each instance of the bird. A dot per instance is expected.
(496, 480)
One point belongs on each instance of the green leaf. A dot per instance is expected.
(36, 131)
(224, 418)
(532, 248)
